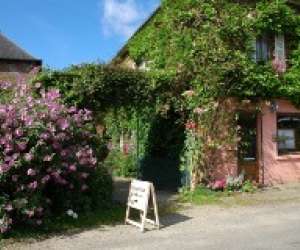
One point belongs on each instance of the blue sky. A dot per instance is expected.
(64, 32)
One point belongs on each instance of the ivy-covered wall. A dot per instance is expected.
(207, 48)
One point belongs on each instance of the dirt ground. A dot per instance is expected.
(268, 219)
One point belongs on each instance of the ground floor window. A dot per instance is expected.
(288, 134)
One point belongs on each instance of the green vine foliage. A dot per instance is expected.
(208, 46)
(100, 87)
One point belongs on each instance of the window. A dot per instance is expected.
(264, 48)
(288, 134)
(271, 48)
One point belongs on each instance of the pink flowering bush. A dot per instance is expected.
(279, 66)
(47, 160)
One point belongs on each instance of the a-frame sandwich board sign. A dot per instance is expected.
(140, 193)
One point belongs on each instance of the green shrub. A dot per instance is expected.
(248, 187)
(121, 164)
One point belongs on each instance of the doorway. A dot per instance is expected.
(247, 147)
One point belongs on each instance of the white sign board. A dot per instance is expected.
(139, 194)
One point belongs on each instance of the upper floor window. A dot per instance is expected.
(271, 48)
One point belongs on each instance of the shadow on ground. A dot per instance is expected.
(168, 205)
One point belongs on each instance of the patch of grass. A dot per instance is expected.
(203, 196)
(67, 225)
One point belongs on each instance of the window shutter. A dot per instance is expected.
(280, 47)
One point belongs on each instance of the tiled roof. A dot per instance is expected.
(10, 51)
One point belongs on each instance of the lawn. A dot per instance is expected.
(203, 196)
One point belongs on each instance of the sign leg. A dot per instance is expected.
(127, 214)
(155, 206)
(143, 221)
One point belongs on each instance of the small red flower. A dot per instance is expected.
(190, 125)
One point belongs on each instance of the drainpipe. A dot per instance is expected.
(262, 150)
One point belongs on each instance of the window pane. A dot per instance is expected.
(287, 139)
(265, 46)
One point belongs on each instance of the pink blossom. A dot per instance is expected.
(94, 161)
(84, 175)
(4, 168)
(33, 185)
(63, 124)
(11, 163)
(7, 158)
(8, 149)
(22, 146)
(279, 65)
(3, 141)
(3, 229)
(219, 184)
(28, 156)
(28, 121)
(45, 136)
(45, 179)
(15, 156)
(5, 85)
(56, 145)
(83, 161)
(199, 111)
(72, 168)
(64, 152)
(55, 174)
(61, 136)
(8, 207)
(18, 133)
(40, 209)
(29, 213)
(72, 110)
(52, 94)
(31, 172)
(48, 158)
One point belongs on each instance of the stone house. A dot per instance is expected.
(267, 160)
(14, 60)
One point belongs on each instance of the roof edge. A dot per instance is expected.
(124, 50)
(39, 62)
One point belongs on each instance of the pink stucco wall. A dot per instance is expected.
(274, 168)
(227, 164)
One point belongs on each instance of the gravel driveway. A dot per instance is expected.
(270, 220)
